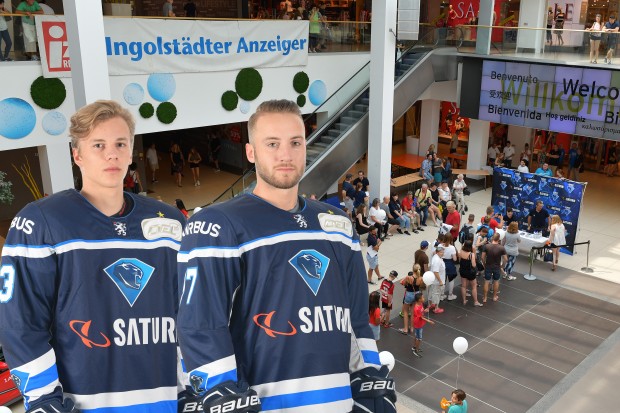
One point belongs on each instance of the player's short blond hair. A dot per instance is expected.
(272, 106)
(87, 118)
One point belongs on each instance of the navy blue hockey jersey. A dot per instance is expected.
(89, 303)
(277, 299)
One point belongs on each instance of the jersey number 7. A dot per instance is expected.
(191, 274)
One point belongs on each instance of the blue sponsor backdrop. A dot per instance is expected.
(521, 191)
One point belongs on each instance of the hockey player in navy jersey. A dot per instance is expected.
(273, 309)
(89, 294)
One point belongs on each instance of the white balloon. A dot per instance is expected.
(4, 409)
(460, 345)
(428, 278)
(386, 358)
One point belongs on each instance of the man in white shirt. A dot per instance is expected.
(153, 158)
(509, 152)
(438, 267)
(492, 154)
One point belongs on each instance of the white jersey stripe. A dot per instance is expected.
(34, 395)
(126, 398)
(303, 384)
(38, 365)
(333, 407)
(117, 244)
(47, 250)
(42, 251)
(218, 367)
(234, 252)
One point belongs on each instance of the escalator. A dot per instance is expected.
(341, 137)
(335, 146)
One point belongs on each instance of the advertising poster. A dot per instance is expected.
(145, 46)
(521, 191)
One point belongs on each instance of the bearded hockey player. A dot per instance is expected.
(88, 304)
(273, 310)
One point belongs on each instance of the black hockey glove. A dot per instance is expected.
(55, 407)
(373, 391)
(225, 397)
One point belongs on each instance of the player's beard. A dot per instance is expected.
(280, 182)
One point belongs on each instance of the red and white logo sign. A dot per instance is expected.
(56, 46)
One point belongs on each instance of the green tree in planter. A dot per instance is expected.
(6, 195)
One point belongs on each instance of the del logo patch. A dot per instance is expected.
(311, 266)
(130, 276)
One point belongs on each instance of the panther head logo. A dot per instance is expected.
(196, 383)
(311, 265)
(129, 274)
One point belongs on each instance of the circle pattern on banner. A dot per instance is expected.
(161, 86)
(244, 106)
(17, 118)
(54, 123)
(133, 94)
(317, 92)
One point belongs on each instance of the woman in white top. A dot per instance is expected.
(377, 218)
(557, 237)
(458, 186)
(595, 38)
(511, 245)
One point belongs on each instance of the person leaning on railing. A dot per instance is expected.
(595, 38)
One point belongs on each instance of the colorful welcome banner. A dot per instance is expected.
(573, 100)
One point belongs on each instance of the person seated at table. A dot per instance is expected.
(523, 167)
(544, 170)
(510, 217)
(426, 170)
(433, 206)
(409, 207)
(499, 160)
(557, 236)
(378, 218)
(538, 219)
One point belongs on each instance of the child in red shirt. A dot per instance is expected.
(374, 314)
(387, 293)
(418, 323)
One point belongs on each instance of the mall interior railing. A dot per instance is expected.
(561, 45)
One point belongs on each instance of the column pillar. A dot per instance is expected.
(478, 145)
(59, 176)
(381, 110)
(89, 64)
(485, 18)
(429, 129)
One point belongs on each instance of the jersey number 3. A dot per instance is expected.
(7, 275)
